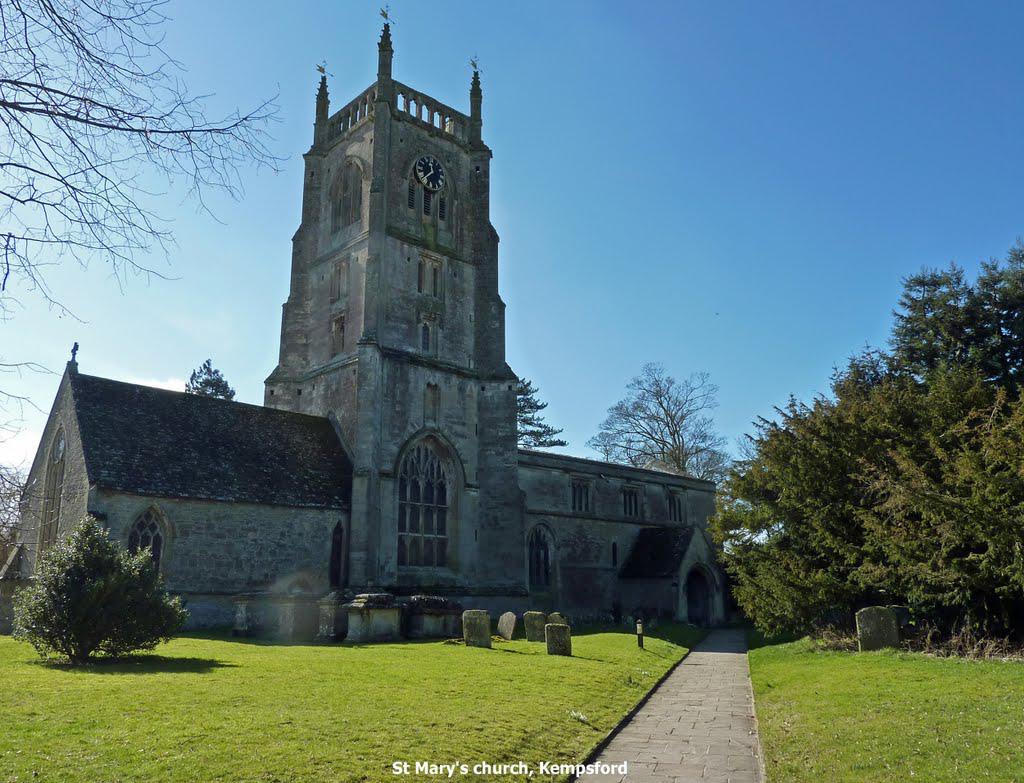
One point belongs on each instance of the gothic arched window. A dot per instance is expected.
(347, 198)
(541, 551)
(146, 533)
(53, 492)
(424, 493)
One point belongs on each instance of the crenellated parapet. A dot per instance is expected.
(354, 113)
(424, 110)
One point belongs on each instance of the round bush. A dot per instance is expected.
(90, 596)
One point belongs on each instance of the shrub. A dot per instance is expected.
(91, 596)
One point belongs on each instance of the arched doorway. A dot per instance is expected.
(698, 598)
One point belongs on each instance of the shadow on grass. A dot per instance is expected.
(142, 664)
(757, 639)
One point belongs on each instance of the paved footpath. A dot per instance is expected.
(698, 725)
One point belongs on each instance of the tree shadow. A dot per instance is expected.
(141, 664)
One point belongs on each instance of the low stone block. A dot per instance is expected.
(476, 628)
(243, 623)
(433, 617)
(877, 628)
(558, 619)
(507, 626)
(286, 619)
(534, 623)
(333, 620)
(373, 617)
(558, 638)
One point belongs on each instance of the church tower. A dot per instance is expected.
(394, 329)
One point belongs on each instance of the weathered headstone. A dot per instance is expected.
(534, 623)
(476, 628)
(558, 638)
(877, 628)
(507, 626)
(558, 618)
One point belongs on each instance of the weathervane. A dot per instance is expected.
(474, 63)
(385, 14)
(321, 68)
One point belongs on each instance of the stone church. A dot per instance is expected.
(384, 457)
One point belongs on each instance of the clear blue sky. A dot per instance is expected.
(729, 187)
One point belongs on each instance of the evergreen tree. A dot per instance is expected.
(905, 484)
(534, 432)
(90, 596)
(208, 382)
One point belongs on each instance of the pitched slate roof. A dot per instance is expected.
(657, 553)
(155, 442)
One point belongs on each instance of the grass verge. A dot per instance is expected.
(880, 716)
(215, 709)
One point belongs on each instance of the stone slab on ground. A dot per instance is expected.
(698, 725)
(507, 626)
(877, 628)
(558, 638)
(558, 619)
(534, 623)
(476, 628)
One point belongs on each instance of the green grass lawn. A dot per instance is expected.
(212, 709)
(887, 716)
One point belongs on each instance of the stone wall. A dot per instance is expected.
(214, 551)
(591, 546)
(75, 496)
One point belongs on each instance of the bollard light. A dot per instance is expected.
(640, 633)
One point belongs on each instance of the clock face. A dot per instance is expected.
(429, 173)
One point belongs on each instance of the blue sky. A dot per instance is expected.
(734, 188)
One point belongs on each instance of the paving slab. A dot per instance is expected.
(698, 724)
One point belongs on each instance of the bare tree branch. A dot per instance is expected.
(664, 423)
(95, 122)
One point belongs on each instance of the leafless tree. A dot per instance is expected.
(665, 424)
(12, 483)
(95, 125)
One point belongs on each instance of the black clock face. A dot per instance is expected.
(429, 173)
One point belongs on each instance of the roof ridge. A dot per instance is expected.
(204, 397)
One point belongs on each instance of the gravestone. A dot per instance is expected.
(558, 618)
(507, 626)
(476, 628)
(877, 628)
(559, 639)
(534, 623)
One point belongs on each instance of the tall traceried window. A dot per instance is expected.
(540, 551)
(347, 197)
(53, 492)
(424, 495)
(146, 533)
